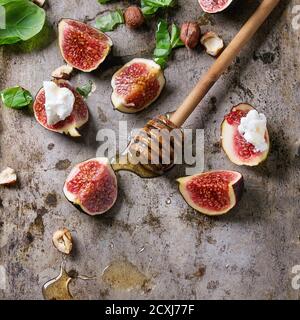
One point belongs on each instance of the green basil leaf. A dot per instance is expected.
(24, 20)
(148, 11)
(3, 2)
(175, 37)
(165, 42)
(109, 21)
(150, 7)
(103, 1)
(16, 97)
(162, 61)
(159, 3)
(38, 42)
(86, 89)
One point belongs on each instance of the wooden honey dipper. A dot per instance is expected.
(143, 143)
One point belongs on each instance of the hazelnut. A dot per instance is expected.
(62, 240)
(63, 72)
(8, 177)
(190, 34)
(134, 17)
(213, 44)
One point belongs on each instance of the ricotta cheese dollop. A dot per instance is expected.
(253, 128)
(59, 102)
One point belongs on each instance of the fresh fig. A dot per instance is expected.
(238, 150)
(214, 6)
(77, 118)
(92, 186)
(137, 85)
(212, 193)
(83, 47)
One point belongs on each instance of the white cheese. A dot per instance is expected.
(59, 102)
(253, 128)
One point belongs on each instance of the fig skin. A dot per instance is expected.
(260, 158)
(216, 10)
(236, 189)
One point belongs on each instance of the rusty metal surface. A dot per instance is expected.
(248, 253)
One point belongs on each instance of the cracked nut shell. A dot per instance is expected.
(62, 240)
(63, 72)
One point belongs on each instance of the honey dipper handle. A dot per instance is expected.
(223, 61)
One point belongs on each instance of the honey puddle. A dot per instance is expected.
(125, 276)
(58, 288)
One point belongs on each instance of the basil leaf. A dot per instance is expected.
(165, 42)
(16, 97)
(109, 21)
(159, 3)
(24, 20)
(38, 42)
(162, 61)
(175, 37)
(148, 10)
(150, 7)
(85, 90)
(3, 2)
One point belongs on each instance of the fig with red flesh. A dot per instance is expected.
(92, 186)
(212, 193)
(238, 150)
(83, 47)
(75, 120)
(137, 85)
(214, 6)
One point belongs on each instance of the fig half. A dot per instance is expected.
(92, 186)
(83, 47)
(212, 193)
(238, 150)
(137, 85)
(77, 118)
(214, 6)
